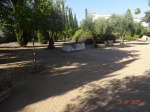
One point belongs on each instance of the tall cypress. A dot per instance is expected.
(75, 22)
(86, 13)
(70, 18)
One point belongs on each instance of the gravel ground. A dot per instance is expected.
(104, 79)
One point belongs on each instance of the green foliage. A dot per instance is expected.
(128, 15)
(144, 31)
(41, 37)
(139, 29)
(87, 24)
(122, 25)
(86, 37)
(147, 17)
(137, 11)
(137, 36)
(129, 38)
(108, 37)
(75, 23)
(38, 15)
(100, 26)
(77, 35)
(9, 33)
(22, 38)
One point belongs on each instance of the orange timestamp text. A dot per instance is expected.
(127, 102)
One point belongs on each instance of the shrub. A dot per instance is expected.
(109, 37)
(86, 37)
(22, 38)
(77, 35)
(144, 31)
(41, 37)
(137, 36)
(129, 38)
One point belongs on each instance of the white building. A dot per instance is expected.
(106, 16)
(96, 16)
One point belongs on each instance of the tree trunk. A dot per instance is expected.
(51, 43)
(95, 41)
(34, 55)
(50, 39)
(64, 38)
(121, 41)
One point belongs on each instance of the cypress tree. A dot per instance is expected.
(86, 13)
(128, 15)
(75, 22)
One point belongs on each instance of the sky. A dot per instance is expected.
(107, 7)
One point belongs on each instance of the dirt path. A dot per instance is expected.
(93, 80)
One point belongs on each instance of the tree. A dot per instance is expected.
(88, 24)
(130, 23)
(128, 15)
(137, 11)
(147, 17)
(120, 26)
(86, 13)
(75, 22)
(10, 16)
(70, 23)
(100, 26)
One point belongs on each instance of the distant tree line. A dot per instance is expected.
(120, 26)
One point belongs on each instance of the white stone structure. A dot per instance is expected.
(96, 16)
(68, 47)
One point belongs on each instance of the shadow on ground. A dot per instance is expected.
(62, 72)
(116, 96)
(139, 43)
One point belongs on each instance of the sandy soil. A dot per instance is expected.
(104, 79)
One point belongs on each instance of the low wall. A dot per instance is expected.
(73, 46)
(109, 42)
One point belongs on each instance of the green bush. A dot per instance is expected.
(137, 36)
(41, 37)
(22, 38)
(109, 37)
(77, 34)
(129, 38)
(144, 31)
(86, 37)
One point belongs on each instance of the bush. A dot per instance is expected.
(109, 37)
(129, 38)
(144, 31)
(41, 37)
(22, 38)
(86, 37)
(137, 36)
(77, 35)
